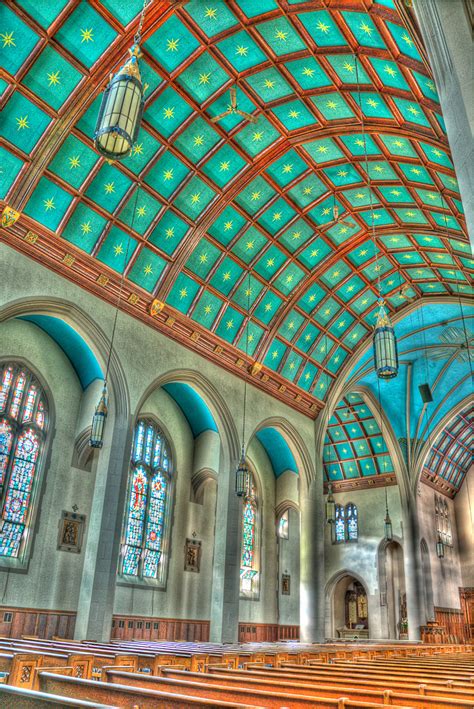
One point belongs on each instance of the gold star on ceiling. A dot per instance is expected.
(287, 168)
(322, 149)
(366, 28)
(203, 258)
(224, 166)
(22, 122)
(207, 309)
(226, 276)
(183, 293)
(413, 110)
(268, 307)
(372, 102)
(74, 162)
(86, 227)
(241, 50)
(331, 104)
(270, 264)
(148, 270)
(8, 39)
(255, 195)
(109, 187)
(195, 198)
(349, 67)
(230, 324)
(293, 114)
(296, 235)
(168, 112)
(169, 232)
(87, 35)
(198, 140)
(168, 174)
(279, 34)
(257, 136)
(390, 70)
(407, 39)
(172, 45)
(269, 84)
(141, 211)
(211, 13)
(49, 204)
(118, 249)
(322, 27)
(138, 149)
(249, 245)
(53, 78)
(204, 78)
(228, 225)
(308, 71)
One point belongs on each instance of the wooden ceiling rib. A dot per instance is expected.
(93, 269)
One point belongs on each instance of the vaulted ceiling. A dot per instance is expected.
(227, 226)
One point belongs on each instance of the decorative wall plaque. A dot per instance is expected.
(285, 584)
(71, 531)
(192, 555)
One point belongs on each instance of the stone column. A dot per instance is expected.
(99, 575)
(226, 568)
(447, 36)
(312, 601)
(413, 570)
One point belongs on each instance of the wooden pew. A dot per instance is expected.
(126, 696)
(275, 699)
(345, 684)
(11, 697)
(361, 694)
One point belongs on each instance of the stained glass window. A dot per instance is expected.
(352, 522)
(340, 526)
(147, 503)
(22, 429)
(248, 562)
(283, 526)
(443, 521)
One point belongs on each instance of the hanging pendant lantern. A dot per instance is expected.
(385, 345)
(388, 528)
(440, 547)
(96, 439)
(330, 506)
(242, 477)
(121, 110)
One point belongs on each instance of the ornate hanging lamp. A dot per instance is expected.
(242, 474)
(121, 109)
(98, 421)
(440, 547)
(385, 345)
(330, 506)
(387, 522)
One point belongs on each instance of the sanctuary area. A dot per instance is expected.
(236, 353)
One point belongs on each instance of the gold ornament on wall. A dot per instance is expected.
(9, 217)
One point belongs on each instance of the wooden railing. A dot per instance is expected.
(125, 627)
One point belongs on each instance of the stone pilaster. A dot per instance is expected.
(312, 601)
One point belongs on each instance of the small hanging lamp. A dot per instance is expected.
(330, 506)
(242, 477)
(385, 345)
(121, 109)
(96, 439)
(440, 547)
(387, 521)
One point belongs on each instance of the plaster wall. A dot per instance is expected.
(464, 512)
(446, 572)
(289, 563)
(360, 559)
(51, 578)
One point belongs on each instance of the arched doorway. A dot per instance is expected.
(350, 609)
(393, 598)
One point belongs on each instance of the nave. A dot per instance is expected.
(41, 673)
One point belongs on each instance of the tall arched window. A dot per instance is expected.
(352, 524)
(339, 525)
(23, 419)
(148, 504)
(249, 557)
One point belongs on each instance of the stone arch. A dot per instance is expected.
(295, 443)
(332, 613)
(88, 330)
(392, 587)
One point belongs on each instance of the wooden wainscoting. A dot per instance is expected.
(267, 632)
(15, 622)
(452, 620)
(126, 627)
(466, 596)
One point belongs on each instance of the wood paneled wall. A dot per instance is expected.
(267, 632)
(466, 596)
(15, 622)
(126, 627)
(452, 620)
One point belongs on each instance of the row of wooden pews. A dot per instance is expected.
(42, 673)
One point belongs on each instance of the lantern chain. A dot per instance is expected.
(138, 34)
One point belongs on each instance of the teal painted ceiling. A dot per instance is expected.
(451, 455)
(229, 224)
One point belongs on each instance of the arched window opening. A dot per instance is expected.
(352, 524)
(148, 502)
(339, 525)
(283, 526)
(443, 521)
(249, 575)
(23, 420)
